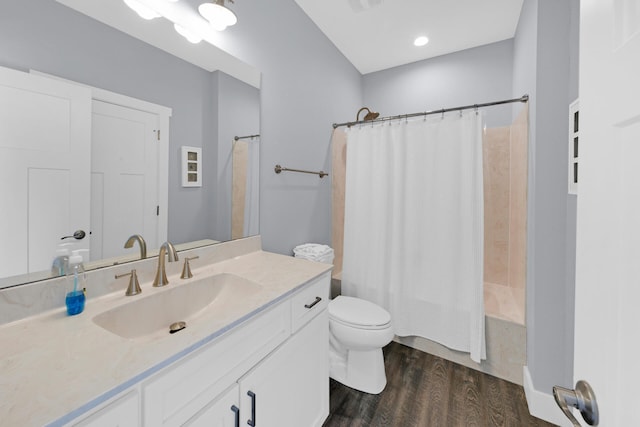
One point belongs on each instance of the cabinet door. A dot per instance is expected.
(290, 388)
(222, 412)
(120, 413)
(175, 395)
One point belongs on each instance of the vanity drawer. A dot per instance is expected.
(310, 301)
(179, 392)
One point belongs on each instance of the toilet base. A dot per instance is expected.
(362, 370)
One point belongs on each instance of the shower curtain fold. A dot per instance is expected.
(413, 227)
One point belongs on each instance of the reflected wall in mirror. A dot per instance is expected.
(208, 110)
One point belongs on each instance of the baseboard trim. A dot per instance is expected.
(542, 405)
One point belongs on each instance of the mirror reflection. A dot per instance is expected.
(92, 130)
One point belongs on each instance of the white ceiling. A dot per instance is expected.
(378, 34)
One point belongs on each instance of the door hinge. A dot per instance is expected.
(158, 210)
(158, 133)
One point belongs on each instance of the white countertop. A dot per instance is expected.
(54, 367)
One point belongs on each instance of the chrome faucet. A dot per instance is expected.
(143, 245)
(161, 274)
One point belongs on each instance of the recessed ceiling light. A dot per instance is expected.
(421, 41)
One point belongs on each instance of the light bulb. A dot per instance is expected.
(421, 41)
(193, 38)
(218, 16)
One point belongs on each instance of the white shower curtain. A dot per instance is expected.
(413, 231)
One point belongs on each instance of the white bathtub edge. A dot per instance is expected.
(542, 405)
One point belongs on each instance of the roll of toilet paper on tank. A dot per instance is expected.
(314, 252)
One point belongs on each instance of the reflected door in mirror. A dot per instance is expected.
(124, 178)
(45, 141)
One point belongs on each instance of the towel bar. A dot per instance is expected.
(279, 169)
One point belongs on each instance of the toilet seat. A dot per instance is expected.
(358, 313)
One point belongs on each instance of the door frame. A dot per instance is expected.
(164, 115)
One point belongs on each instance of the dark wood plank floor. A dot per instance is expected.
(424, 390)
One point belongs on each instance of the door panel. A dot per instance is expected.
(124, 169)
(45, 147)
(608, 225)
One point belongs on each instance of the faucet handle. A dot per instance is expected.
(134, 286)
(186, 269)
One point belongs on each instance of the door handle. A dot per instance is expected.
(252, 420)
(317, 300)
(582, 398)
(236, 412)
(78, 235)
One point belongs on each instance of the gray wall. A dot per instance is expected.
(472, 76)
(306, 86)
(48, 37)
(544, 49)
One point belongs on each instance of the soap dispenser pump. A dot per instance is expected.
(76, 283)
(60, 263)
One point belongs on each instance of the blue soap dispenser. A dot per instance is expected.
(76, 283)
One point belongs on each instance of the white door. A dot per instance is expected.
(45, 145)
(124, 178)
(607, 316)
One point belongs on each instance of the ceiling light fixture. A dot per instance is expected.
(218, 15)
(421, 41)
(189, 35)
(144, 11)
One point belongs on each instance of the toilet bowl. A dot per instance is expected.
(358, 330)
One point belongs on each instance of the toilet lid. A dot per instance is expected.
(359, 312)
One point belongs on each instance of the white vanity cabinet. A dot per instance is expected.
(123, 412)
(224, 411)
(286, 371)
(270, 371)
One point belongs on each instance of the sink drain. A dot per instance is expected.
(177, 327)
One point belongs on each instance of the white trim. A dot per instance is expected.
(113, 97)
(164, 114)
(542, 405)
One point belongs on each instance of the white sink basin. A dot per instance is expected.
(148, 315)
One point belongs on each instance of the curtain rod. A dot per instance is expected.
(246, 137)
(523, 98)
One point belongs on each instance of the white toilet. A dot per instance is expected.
(358, 330)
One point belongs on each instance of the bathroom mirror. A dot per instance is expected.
(208, 109)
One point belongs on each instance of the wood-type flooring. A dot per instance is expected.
(424, 390)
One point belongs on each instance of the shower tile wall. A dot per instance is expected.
(518, 205)
(496, 160)
(505, 190)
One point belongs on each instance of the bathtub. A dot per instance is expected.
(505, 334)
